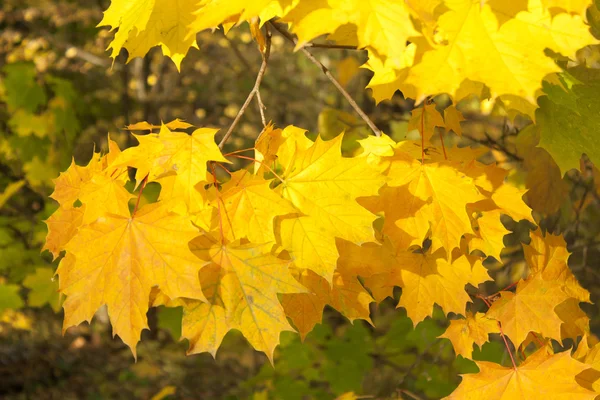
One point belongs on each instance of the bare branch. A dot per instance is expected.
(261, 108)
(254, 91)
(328, 74)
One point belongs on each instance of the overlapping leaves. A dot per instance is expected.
(267, 250)
(455, 47)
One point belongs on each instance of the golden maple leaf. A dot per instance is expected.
(530, 309)
(473, 329)
(345, 294)
(245, 292)
(547, 257)
(248, 208)
(323, 186)
(446, 190)
(143, 24)
(116, 260)
(527, 381)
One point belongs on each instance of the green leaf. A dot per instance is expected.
(44, 289)
(10, 298)
(22, 89)
(569, 119)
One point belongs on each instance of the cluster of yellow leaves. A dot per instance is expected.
(422, 48)
(266, 250)
(298, 223)
(544, 306)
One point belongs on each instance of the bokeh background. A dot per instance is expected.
(60, 95)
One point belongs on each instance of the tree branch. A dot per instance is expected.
(254, 91)
(329, 76)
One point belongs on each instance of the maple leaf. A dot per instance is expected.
(206, 324)
(546, 188)
(477, 41)
(473, 329)
(62, 226)
(116, 260)
(174, 153)
(452, 119)
(567, 119)
(248, 287)
(345, 294)
(143, 24)
(425, 119)
(530, 309)
(489, 229)
(547, 256)
(528, 381)
(426, 278)
(382, 25)
(248, 208)
(446, 190)
(323, 186)
(67, 186)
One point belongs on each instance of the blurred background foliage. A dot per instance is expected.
(60, 95)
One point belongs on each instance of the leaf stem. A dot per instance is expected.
(487, 303)
(238, 151)
(423, 136)
(137, 203)
(443, 146)
(512, 285)
(261, 163)
(329, 76)
(253, 92)
(216, 184)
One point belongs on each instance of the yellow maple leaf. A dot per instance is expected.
(425, 119)
(345, 294)
(452, 119)
(175, 153)
(473, 329)
(446, 190)
(206, 324)
(251, 280)
(143, 24)
(324, 186)
(528, 381)
(425, 278)
(116, 260)
(62, 226)
(428, 279)
(530, 309)
(248, 208)
(381, 25)
(547, 256)
(480, 42)
(489, 230)
(103, 195)
(67, 186)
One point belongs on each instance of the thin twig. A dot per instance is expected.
(330, 46)
(261, 108)
(254, 91)
(329, 76)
